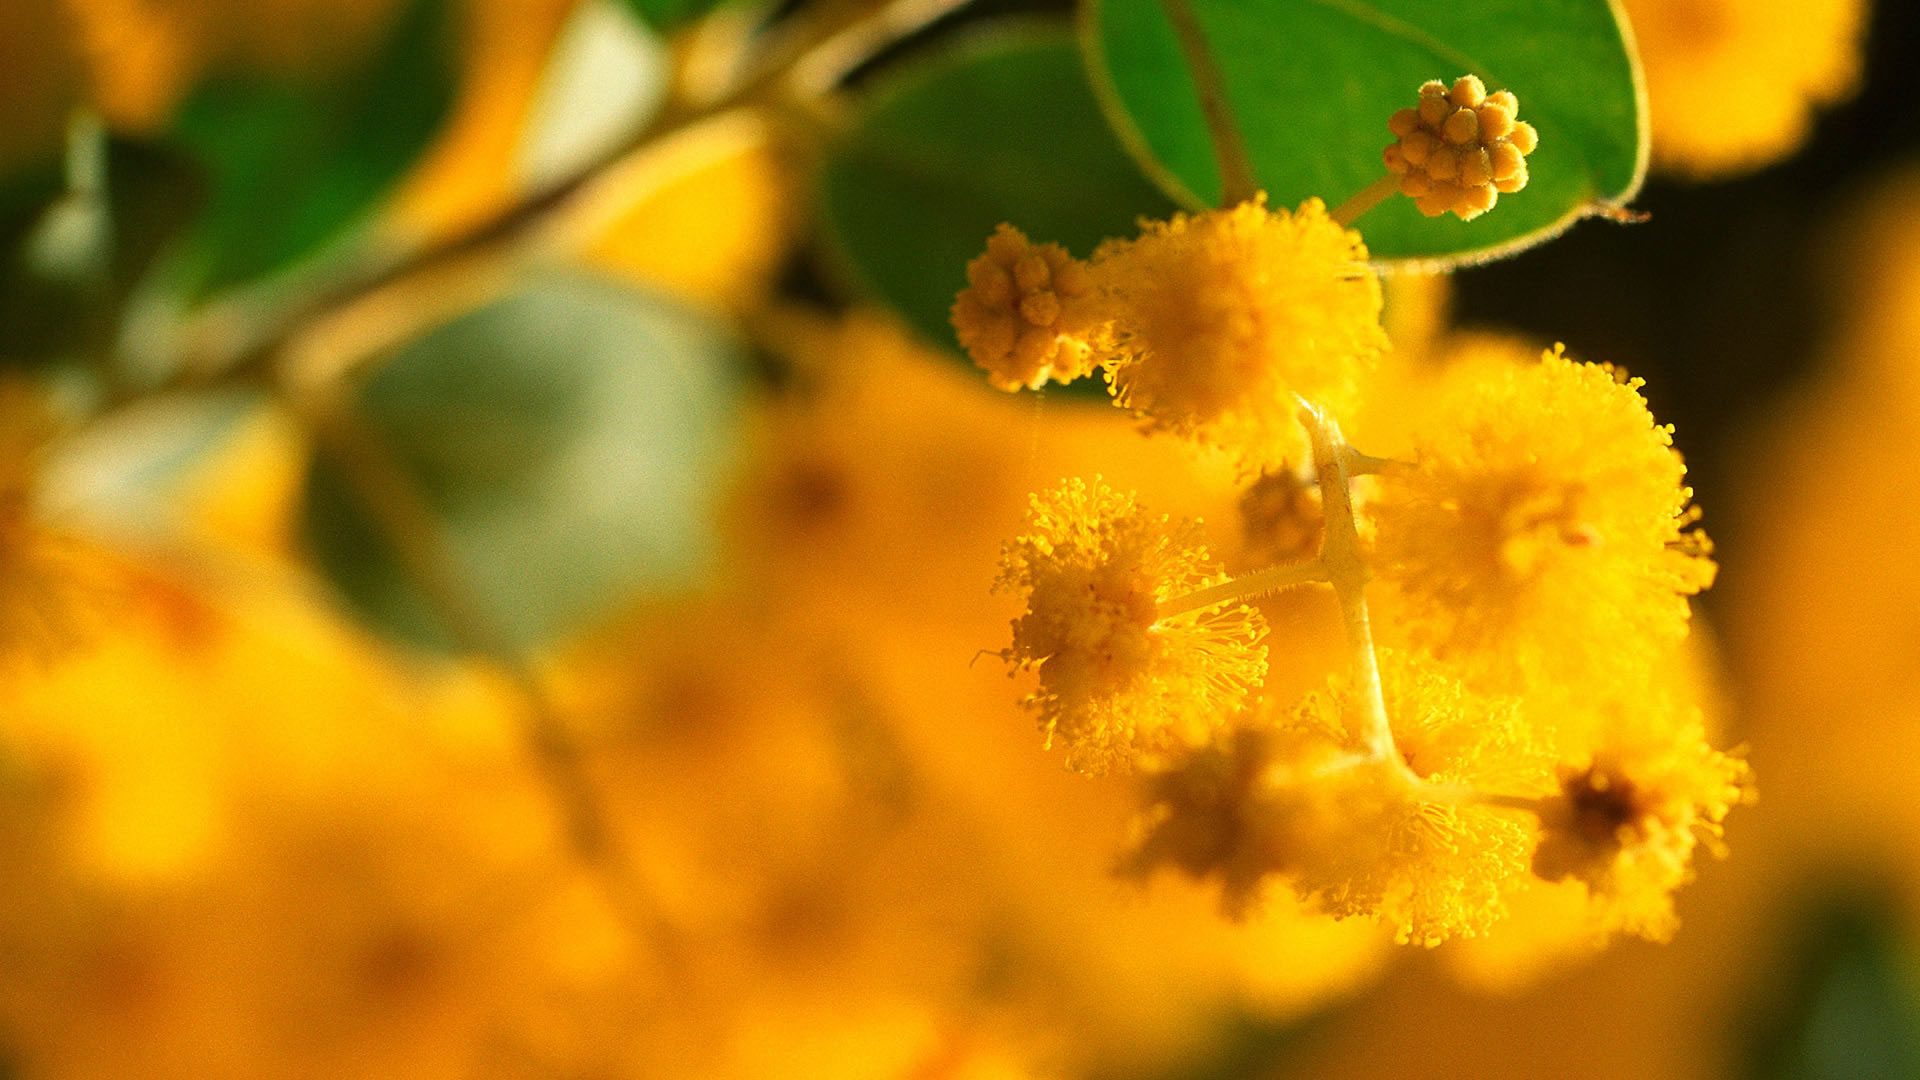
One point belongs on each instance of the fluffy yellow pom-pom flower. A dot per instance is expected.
(1627, 822)
(1216, 320)
(1118, 682)
(1543, 529)
(1024, 314)
(1353, 834)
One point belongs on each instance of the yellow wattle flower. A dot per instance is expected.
(1294, 800)
(1543, 528)
(1117, 682)
(1626, 822)
(1213, 321)
(1732, 85)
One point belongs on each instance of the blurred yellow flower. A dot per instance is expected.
(1733, 84)
(142, 55)
(46, 76)
(705, 215)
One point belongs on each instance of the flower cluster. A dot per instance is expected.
(1461, 149)
(1202, 324)
(1512, 592)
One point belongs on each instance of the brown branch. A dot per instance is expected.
(813, 47)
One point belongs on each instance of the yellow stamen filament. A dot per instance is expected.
(1245, 587)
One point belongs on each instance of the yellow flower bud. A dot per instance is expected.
(1466, 142)
(1025, 313)
(1462, 127)
(1468, 92)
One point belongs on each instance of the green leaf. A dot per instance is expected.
(568, 440)
(1846, 1006)
(665, 15)
(1310, 85)
(151, 192)
(122, 475)
(293, 164)
(1004, 129)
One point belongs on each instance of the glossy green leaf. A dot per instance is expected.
(1004, 129)
(1310, 85)
(293, 164)
(664, 15)
(568, 441)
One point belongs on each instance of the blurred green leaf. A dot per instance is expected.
(1004, 129)
(152, 191)
(1241, 1045)
(1848, 1007)
(665, 15)
(294, 164)
(568, 440)
(123, 474)
(1310, 87)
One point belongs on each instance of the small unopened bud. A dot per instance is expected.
(1460, 148)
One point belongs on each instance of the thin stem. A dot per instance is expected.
(1507, 802)
(1359, 464)
(797, 62)
(833, 59)
(1340, 556)
(1237, 184)
(1366, 199)
(1461, 795)
(1245, 587)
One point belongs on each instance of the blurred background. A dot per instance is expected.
(493, 550)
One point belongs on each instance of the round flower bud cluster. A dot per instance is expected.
(1461, 149)
(1022, 316)
(1206, 324)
